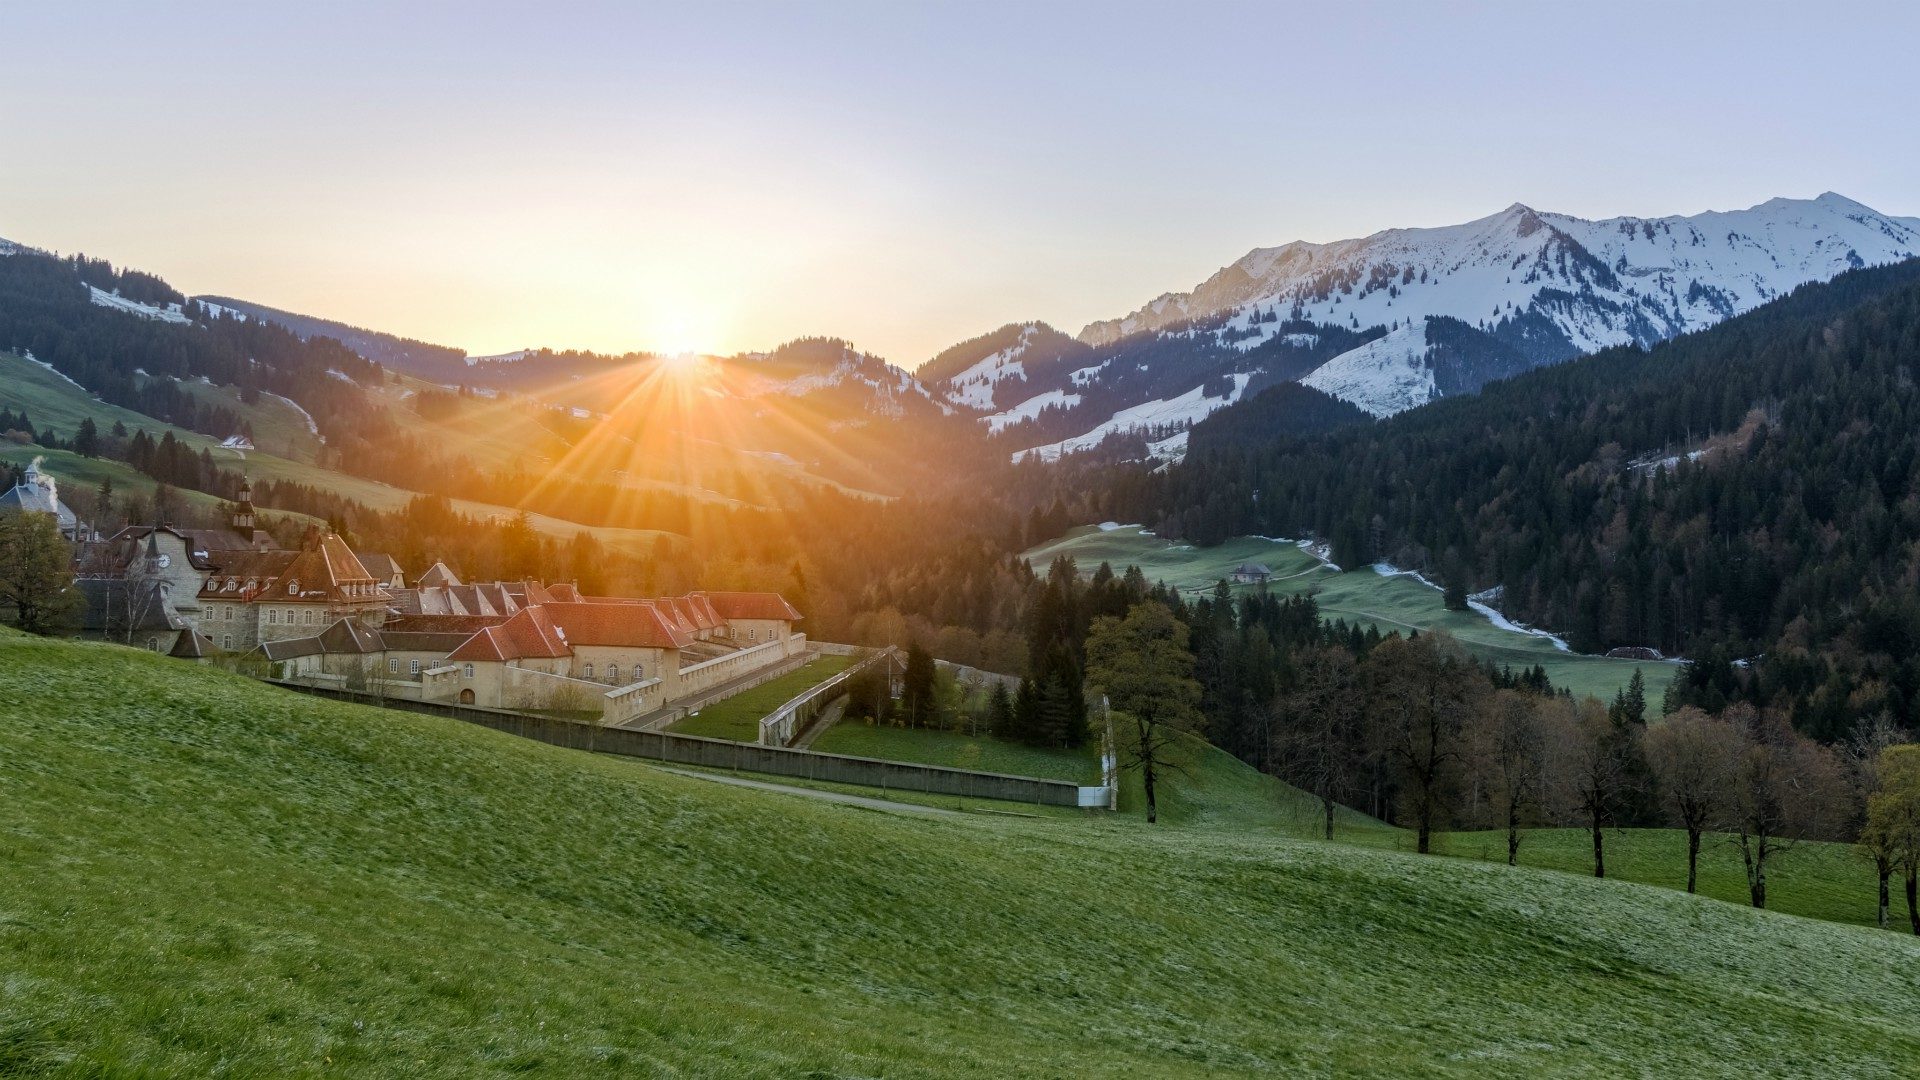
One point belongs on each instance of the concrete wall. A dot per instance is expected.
(723, 754)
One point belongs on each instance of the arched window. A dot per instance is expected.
(469, 674)
(589, 671)
(293, 588)
(153, 644)
(613, 674)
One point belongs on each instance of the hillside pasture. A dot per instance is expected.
(1397, 602)
(211, 876)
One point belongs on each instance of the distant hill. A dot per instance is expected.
(436, 363)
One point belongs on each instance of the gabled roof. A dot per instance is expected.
(414, 641)
(529, 634)
(637, 626)
(751, 605)
(118, 605)
(700, 615)
(350, 636)
(564, 593)
(192, 645)
(291, 648)
(674, 617)
(437, 576)
(381, 565)
(464, 625)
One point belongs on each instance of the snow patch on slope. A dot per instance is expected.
(975, 386)
(171, 313)
(1187, 409)
(304, 414)
(1029, 409)
(61, 375)
(1384, 376)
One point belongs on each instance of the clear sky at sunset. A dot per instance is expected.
(728, 176)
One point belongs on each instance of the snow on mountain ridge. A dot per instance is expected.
(1384, 376)
(1651, 277)
(974, 387)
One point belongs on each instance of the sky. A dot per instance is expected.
(727, 176)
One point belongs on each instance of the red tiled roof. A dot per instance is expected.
(564, 593)
(751, 605)
(673, 615)
(442, 624)
(706, 606)
(528, 634)
(630, 625)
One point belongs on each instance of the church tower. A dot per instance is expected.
(243, 513)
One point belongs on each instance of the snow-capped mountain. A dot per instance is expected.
(1424, 313)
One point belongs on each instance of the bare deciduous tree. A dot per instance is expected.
(1862, 756)
(1421, 693)
(1692, 756)
(1785, 788)
(1590, 773)
(1317, 739)
(1508, 745)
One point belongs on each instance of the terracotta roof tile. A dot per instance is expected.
(531, 633)
(751, 605)
(641, 626)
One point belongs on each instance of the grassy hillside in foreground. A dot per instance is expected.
(205, 875)
(1392, 603)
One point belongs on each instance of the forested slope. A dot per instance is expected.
(1750, 491)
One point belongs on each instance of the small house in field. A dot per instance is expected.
(1251, 573)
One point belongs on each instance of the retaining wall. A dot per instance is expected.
(726, 754)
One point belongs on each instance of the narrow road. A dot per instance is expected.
(824, 796)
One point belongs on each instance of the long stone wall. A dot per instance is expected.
(725, 754)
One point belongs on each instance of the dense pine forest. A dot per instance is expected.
(1748, 496)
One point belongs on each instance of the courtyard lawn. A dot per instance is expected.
(738, 717)
(957, 750)
(1390, 602)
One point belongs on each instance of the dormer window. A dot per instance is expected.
(293, 588)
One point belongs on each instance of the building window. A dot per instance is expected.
(751, 634)
(293, 588)
(273, 616)
(613, 674)
(226, 642)
(153, 644)
(469, 671)
(589, 671)
(393, 665)
(413, 668)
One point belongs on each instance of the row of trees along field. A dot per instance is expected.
(1414, 730)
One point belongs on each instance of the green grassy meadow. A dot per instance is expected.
(738, 717)
(1363, 596)
(207, 876)
(958, 750)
